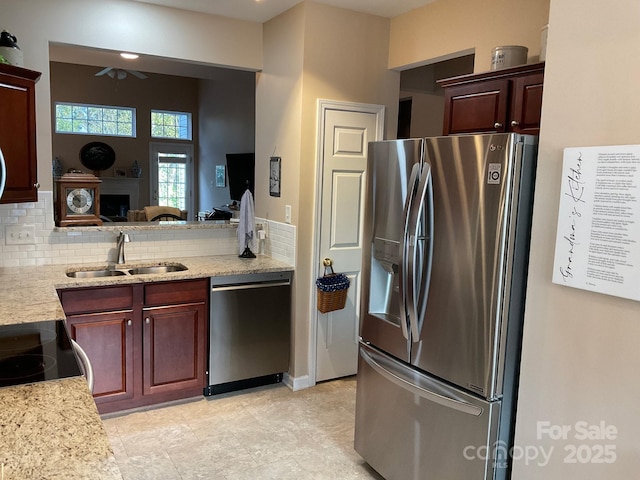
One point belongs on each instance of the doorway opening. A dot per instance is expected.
(421, 107)
(171, 176)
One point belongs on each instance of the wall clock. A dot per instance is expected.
(77, 200)
(274, 177)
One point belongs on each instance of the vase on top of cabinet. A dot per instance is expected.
(506, 100)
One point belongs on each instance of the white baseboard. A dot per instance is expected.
(297, 383)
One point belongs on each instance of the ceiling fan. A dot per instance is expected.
(120, 73)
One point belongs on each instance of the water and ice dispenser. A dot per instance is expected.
(384, 298)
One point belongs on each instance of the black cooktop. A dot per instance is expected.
(35, 352)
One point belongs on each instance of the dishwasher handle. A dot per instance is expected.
(248, 286)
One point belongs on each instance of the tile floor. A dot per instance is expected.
(262, 433)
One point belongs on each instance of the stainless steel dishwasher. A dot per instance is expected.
(249, 330)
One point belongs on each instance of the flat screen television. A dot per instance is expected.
(241, 174)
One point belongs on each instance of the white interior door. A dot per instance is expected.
(345, 133)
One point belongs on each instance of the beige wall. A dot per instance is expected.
(121, 25)
(427, 112)
(345, 59)
(278, 120)
(445, 27)
(313, 52)
(581, 356)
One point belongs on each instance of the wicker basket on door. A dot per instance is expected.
(332, 289)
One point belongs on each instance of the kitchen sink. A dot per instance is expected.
(127, 270)
(158, 269)
(94, 273)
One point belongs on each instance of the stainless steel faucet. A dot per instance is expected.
(122, 239)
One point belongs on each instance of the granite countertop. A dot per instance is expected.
(52, 429)
(28, 294)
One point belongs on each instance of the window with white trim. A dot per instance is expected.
(174, 125)
(172, 180)
(86, 119)
(171, 175)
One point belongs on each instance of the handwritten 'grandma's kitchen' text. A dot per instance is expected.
(576, 191)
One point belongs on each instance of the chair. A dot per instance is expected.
(154, 213)
(166, 217)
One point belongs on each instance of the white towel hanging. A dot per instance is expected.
(246, 226)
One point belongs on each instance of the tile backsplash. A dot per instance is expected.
(82, 247)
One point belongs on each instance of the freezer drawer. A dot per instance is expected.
(413, 427)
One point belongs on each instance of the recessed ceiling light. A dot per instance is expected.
(129, 56)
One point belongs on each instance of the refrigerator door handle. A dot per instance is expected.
(415, 294)
(405, 274)
(376, 362)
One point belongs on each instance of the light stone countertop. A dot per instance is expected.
(52, 429)
(28, 294)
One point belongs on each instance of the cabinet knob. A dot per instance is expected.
(514, 123)
(36, 185)
(128, 323)
(147, 320)
(497, 125)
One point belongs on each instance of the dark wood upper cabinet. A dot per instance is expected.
(18, 133)
(507, 100)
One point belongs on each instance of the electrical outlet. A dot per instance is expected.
(20, 235)
(287, 214)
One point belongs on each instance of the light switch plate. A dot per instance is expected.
(20, 235)
(287, 214)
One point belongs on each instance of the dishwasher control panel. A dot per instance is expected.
(251, 278)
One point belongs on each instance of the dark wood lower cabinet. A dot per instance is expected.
(107, 338)
(143, 351)
(173, 355)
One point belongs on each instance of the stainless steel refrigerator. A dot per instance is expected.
(447, 244)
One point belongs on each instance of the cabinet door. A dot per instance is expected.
(526, 104)
(108, 340)
(477, 107)
(174, 348)
(18, 136)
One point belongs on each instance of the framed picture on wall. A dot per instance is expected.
(220, 176)
(274, 177)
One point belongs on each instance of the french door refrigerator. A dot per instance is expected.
(447, 242)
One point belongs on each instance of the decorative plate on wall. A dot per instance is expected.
(97, 156)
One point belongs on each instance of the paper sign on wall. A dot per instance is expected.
(598, 236)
